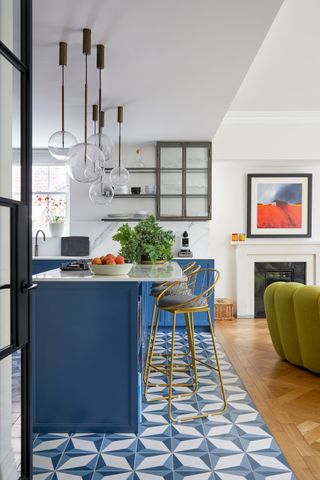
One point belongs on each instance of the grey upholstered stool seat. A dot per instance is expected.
(185, 301)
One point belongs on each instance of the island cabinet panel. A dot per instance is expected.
(85, 347)
(39, 266)
(200, 319)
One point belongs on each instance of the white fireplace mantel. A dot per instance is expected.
(247, 253)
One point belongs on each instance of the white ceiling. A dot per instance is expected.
(285, 74)
(175, 65)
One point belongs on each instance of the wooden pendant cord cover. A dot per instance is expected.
(100, 66)
(120, 120)
(95, 117)
(63, 56)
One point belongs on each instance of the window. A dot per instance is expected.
(50, 192)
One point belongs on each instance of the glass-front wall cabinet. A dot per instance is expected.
(184, 180)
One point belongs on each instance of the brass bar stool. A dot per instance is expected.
(156, 289)
(187, 305)
(178, 287)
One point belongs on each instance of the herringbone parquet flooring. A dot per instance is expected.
(288, 397)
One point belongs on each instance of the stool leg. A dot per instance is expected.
(170, 385)
(218, 366)
(148, 359)
(193, 351)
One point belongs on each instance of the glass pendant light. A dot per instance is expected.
(101, 140)
(119, 176)
(85, 159)
(102, 192)
(60, 143)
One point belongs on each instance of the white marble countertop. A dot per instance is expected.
(170, 271)
(61, 258)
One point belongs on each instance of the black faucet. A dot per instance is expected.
(36, 248)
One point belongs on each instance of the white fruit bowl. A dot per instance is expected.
(119, 269)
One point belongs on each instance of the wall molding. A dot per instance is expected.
(272, 117)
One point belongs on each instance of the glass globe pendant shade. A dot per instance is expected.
(119, 176)
(60, 144)
(101, 193)
(104, 142)
(85, 163)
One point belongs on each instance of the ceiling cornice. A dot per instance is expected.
(272, 117)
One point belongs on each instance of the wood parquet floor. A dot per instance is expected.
(287, 397)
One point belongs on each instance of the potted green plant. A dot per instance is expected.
(147, 242)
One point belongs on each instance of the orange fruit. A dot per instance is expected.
(96, 261)
(110, 261)
(110, 255)
(120, 259)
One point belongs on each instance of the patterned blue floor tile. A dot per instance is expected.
(78, 461)
(115, 461)
(154, 444)
(85, 444)
(72, 475)
(112, 475)
(154, 475)
(235, 445)
(153, 461)
(194, 476)
(193, 461)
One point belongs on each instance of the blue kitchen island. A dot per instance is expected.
(89, 337)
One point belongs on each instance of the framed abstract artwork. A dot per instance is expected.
(279, 205)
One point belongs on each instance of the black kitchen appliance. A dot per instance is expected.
(74, 246)
(185, 250)
(74, 266)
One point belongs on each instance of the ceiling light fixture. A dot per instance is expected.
(85, 158)
(101, 140)
(60, 143)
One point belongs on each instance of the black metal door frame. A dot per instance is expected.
(21, 236)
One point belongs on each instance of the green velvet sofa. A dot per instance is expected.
(293, 315)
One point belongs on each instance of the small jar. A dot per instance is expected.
(234, 237)
(242, 237)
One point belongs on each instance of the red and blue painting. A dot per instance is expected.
(279, 205)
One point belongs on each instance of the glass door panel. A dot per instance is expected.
(10, 25)
(5, 278)
(197, 157)
(171, 183)
(171, 207)
(10, 134)
(197, 183)
(197, 207)
(171, 157)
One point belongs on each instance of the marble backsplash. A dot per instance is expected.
(100, 235)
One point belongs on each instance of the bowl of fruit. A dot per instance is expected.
(110, 265)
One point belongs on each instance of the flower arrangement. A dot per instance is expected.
(54, 208)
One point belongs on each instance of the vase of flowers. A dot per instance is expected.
(53, 213)
(56, 225)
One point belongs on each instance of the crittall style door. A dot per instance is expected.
(15, 239)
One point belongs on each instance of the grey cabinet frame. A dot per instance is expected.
(184, 195)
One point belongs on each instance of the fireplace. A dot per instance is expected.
(266, 273)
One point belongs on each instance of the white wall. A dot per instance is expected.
(262, 147)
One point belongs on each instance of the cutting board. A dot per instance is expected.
(75, 246)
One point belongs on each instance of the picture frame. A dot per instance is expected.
(279, 205)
